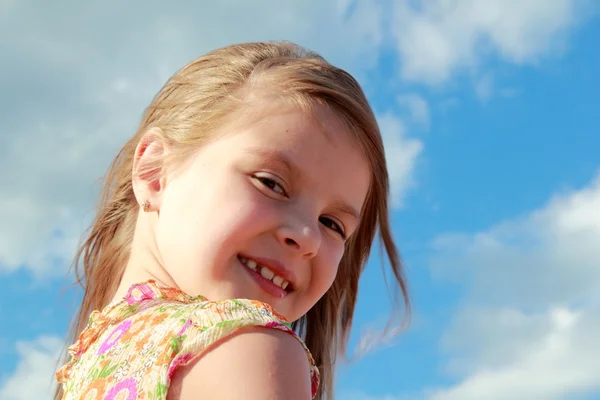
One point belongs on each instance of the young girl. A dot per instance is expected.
(231, 234)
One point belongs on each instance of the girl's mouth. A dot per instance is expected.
(266, 277)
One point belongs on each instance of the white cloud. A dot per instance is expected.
(439, 37)
(78, 89)
(401, 154)
(34, 375)
(529, 326)
(417, 108)
(553, 355)
(549, 256)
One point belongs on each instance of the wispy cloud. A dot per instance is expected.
(438, 38)
(417, 107)
(34, 375)
(528, 328)
(402, 153)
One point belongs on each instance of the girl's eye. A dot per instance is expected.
(331, 224)
(271, 184)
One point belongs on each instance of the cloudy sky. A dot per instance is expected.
(490, 112)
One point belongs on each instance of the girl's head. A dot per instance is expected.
(276, 188)
(254, 155)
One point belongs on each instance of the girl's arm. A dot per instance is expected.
(254, 363)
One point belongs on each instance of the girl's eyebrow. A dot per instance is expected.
(277, 157)
(346, 208)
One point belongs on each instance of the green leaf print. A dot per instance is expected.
(175, 343)
(159, 393)
(131, 309)
(179, 313)
(107, 371)
(161, 390)
(95, 373)
(226, 324)
(237, 303)
(202, 328)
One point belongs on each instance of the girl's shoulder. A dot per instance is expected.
(137, 343)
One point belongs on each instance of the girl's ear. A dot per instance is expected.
(148, 174)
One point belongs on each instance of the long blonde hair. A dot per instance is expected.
(188, 109)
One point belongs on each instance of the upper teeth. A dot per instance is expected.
(265, 272)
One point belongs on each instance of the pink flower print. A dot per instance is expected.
(128, 384)
(314, 383)
(275, 324)
(187, 324)
(114, 336)
(139, 293)
(182, 359)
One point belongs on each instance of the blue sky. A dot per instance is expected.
(490, 115)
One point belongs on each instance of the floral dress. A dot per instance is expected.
(131, 349)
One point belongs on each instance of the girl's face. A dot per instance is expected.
(263, 212)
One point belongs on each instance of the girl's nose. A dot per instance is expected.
(301, 237)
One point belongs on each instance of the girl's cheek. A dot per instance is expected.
(330, 269)
(263, 207)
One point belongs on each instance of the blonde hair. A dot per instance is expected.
(187, 110)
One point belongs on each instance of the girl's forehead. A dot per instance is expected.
(297, 129)
(272, 112)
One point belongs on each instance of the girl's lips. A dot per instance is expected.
(275, 266)
(265, 284)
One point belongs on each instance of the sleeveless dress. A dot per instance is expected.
(131, 349)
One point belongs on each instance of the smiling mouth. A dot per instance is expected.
(266, 273)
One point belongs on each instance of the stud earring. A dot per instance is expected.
(146, 206)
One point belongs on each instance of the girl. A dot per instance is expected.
(231, 234)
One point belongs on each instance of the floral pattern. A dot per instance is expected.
(131, 349)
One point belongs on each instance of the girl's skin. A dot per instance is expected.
(282, 189)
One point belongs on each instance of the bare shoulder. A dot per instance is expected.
(253, 363)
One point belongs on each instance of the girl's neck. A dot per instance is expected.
(142, 265)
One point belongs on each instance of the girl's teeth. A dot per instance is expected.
(251, 264)
(267, 273)
(277, 280)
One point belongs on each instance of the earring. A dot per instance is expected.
(146, 206)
